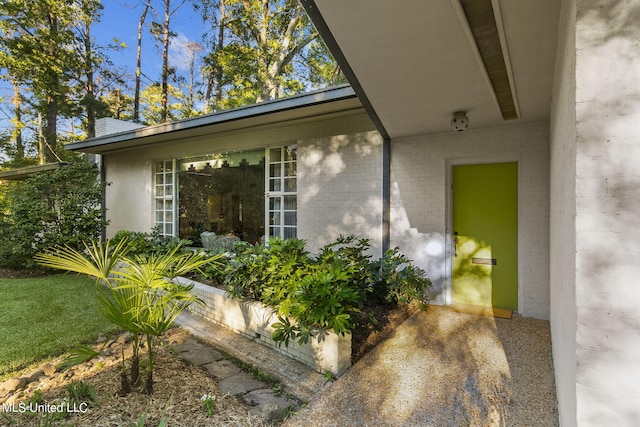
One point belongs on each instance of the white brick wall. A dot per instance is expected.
(596, 148)
(129, 197)
(420, 170)
(562, 219)
(340, 189)
(107, 126)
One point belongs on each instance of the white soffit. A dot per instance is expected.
(417, 61)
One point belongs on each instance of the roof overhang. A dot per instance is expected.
(415, 63)
(27, 171)
(308, 105)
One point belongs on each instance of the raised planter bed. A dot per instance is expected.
(253, 319)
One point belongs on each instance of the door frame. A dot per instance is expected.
(460, 161)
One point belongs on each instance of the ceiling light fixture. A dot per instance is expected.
(459, 121)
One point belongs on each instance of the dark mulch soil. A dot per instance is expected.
(375, 323)
(9, 273)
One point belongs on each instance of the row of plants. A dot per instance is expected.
(312, 294)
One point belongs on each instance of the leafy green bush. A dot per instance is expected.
(61, 207)
(311, 295)
(142, 243)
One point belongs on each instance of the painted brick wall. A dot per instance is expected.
(254, 320)
(562, 219)
(420, 177)
(340, 189)
(129, 197)
(607, 183)
(108, 126)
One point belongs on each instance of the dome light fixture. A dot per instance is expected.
(459, 121)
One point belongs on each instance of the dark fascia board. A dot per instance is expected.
(101, 144)
(27, 171)
(326, 35)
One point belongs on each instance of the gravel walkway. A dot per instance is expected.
(442, 368)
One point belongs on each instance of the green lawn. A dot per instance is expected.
(45, 317)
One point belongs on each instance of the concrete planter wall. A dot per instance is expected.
(252, 319)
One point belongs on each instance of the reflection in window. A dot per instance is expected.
(224, 194)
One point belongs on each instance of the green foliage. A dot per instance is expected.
(141, 297)
(78, 356)
(209, 403)
(396, 280)
(313, 294)
(60, 207)
(141, 243)
(80, 392)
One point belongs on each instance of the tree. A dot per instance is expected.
(136, 96)
(60, 207)
(258, 51)
(36, 44)
(164, 33)
(152, 108)
(88, 12)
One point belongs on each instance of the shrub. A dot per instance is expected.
(61, 207)
(311, 295)
(142, 243)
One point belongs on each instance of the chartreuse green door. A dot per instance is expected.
(485, 241)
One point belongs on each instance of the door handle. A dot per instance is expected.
(455, 244)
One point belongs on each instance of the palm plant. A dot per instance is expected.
(141, 295)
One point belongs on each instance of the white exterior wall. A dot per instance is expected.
(340, 189)
(562, 219)
(420, 199)
(129, 195)
(604, 145)
(130, 198)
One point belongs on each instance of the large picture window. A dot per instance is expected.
(224, 194)
(243, 195)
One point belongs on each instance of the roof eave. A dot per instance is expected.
(244, 114)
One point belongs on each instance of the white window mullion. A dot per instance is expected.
(281, 194)
(164, 196)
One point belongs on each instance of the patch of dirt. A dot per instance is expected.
(375, 323)
(176, 399)
(10, 273)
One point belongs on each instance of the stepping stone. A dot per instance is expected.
(14, 384)
(222, 369)
(239, 384)
(268, 405)
(198, 354)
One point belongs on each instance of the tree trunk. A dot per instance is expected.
(90, 95)
(136, 96)
(219, 46)
(51, 126)
(17, 111)
(165, 61)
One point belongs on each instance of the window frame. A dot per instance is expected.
(169, 191)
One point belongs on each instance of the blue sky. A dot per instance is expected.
(120, 20)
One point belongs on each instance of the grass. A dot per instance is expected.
(44, 317)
